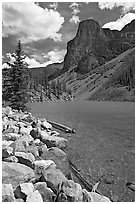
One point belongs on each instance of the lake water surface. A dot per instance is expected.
(104, 143)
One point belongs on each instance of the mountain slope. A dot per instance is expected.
(114, 80)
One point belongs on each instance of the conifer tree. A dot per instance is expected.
(19, 80)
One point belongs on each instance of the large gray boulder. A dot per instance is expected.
(34, 197)
(25, 158)
(53, 141)
(23, 190)
(15, 173)
(73, 191)
(7, 193)
(60, 158)
(46, 193)
(53, 177)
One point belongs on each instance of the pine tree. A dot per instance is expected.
(19, 79)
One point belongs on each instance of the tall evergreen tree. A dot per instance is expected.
(19, 80)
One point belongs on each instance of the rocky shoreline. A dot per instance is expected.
(34, 166)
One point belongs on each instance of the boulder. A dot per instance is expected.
(6, 151)
(25, 158)
(23, 142)
(62, 197)
(10, 136)
(15, 173)
(23, 190)
(53, 141)
(12, 129)
(53, 177)
(60, 159)
(34, 197)
(73, 191)
(32, 148)
(7, 193)
(25, 130)
(95, 197)
(41, 165)
(42, 149)
(35, 133)
(19, 200)
(46, 125)
(11, 159)
(46, 193)
(7, 110)
(86, 196)
(37, 142)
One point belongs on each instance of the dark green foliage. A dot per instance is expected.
(18, 81)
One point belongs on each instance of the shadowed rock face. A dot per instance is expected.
(93, 45)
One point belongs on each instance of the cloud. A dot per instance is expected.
(53, 5)
(121, 22)
(30, 22)
(75, 10)
(126, 6)
(74, 19)
(55, 56)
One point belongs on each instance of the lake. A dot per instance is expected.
(104, 144)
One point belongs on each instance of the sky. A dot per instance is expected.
(44, 28)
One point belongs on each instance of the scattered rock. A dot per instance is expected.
(34, 197)
(15, 173)
(23, 190)
(25, 158)
(7, 193)
(46, 193)
(35, 133)
(46, 125)
(73, 191)
(22, 143)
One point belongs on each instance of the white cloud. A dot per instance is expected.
(53, 5)
(55, 56)
(30, 22)
(126, 6)
(74, 19)
(51, 57)
(75, 10)
(121, 22)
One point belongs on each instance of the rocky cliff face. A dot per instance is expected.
(93, 46)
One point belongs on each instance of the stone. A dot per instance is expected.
(34, 133)
(53, 177)
(19, 200)
(15, 173)
(6, 151)
(23, 190)
(41, 165)
(12, 129)
(25, 131)
(25, 158)
(42, 149)
(37, 142)
(10, 136)
(73, 191)
(95, 197)
(7, 193)
(46, 193)
(86, 196)
(53, 141)
(34, 197)
(11, 159)
(47, 125)
(60, 159)
(21, 143)
(7, 110)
